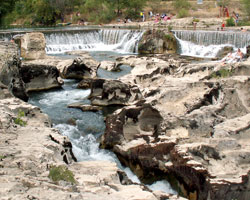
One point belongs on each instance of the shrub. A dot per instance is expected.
(179, 4)
(61, 173)
(230, 22)
(223, 73)
(170, 28)
(169, 37)
(182, 13)
(18, 120)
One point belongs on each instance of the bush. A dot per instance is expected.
(182, 13)
(180, 4)
(230, 22)
(18, 120)
(61, 173)
(223, 73)
(170, 28)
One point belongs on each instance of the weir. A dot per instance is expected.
(123, 41)
(206, 38)
(60, 41)
(208, 44)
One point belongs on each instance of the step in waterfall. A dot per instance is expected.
(122, 41)
(209, 43)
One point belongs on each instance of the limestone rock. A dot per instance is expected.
(109, 66)
(85, 107)
(200, 140)
(157, 41)
(79, 68)
(40, 77)
(33, 46)
(113, 92)
(10, 70)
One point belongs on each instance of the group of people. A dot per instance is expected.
(233, 57)
(224, 12)
(157, 17)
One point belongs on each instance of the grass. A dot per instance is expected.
(223, 73)
(19, 120)
(61, 173)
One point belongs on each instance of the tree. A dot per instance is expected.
(134, 7)
(6, 6)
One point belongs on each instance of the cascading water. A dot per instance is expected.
(87, 126)
(209, 43)
(123, 41)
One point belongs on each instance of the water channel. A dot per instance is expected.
(85, 128)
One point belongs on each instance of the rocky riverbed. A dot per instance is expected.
(36, 160)
(183, 121)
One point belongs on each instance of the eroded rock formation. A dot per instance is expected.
(192, 130)
(30, 149)
(10, 66)
(157, 42)
(113, 92)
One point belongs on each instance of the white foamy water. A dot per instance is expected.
(190, 49)
(163, 186)
(207, 44)
(122, 41)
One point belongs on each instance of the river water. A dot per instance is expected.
(85, 128)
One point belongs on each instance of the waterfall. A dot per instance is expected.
(209, 43)
(123, 41)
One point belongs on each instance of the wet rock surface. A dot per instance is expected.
(190, 128)
(157, 42)
(30, 149)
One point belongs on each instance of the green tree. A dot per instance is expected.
(134, 7)
(6, 6)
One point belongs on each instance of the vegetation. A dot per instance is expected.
(182, 7)
(230, 22)
(223, 73)
(50, 12)
(61, 173)
(19, 120)
(246, 7)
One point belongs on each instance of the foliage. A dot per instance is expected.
(133, 8)
(243, 23)
(61, 173)
(223, 73)
(223, 3)
(182, 13)
(48, 12)
(6, 6)
(180, 4)
(19, 120)
(230, 22)
(154, 4)
(246, 7)
(169, 37)
(182, 7)
(170, 28)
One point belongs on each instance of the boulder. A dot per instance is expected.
(33, 46)
(157, 42)
(109, 66)
(85, 107)
(224, 51)
(40, 77)
(10, 66)
(79, 68)
(113, 92)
